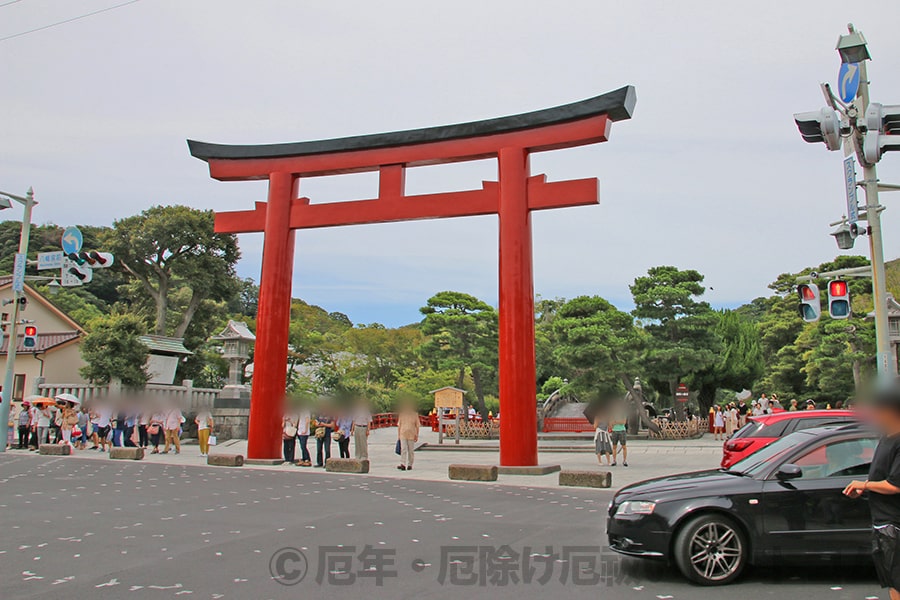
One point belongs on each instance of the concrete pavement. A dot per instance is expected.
(72, 527)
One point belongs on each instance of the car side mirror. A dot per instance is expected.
(788, 472)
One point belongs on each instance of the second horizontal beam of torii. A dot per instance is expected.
(391, 206)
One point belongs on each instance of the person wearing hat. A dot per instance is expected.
(882, 488)
(810, 404)
(24, 423)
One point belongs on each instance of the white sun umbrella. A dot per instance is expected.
(69, 398)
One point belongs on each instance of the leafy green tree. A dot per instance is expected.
(682, 337)
(739, 365)
(463, 336)
(113, 349)
(545, 339)
(168, 247)
(598, 343)
(384, 351)
(419, 383)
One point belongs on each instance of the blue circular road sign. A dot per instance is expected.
(848, 81)
(72, 240)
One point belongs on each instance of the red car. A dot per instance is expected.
(763, 430)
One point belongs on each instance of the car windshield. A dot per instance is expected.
(758, 461)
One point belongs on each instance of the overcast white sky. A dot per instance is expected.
(709, 174)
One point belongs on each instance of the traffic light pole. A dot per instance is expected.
(887, 368)
(6, 402)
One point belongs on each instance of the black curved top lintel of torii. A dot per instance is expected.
(618, 105)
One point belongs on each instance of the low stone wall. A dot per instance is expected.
(230, 423)
(473, 472)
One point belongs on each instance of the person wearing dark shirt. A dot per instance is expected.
(882, 488)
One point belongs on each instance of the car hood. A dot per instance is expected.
(685, 485)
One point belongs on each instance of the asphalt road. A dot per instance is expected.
(82, 528)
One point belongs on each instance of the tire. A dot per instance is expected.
(711, 550)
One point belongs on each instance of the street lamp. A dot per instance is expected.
(852, 46)
(53, 287)
(843, 237)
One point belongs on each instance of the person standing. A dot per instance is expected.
(718, 423)
(24, 422)
(288, 437)
(883, 490)
(742, 413)
(45, 415)
(156, 430)
(143, 423)
(303, 419)
(619, 437)
(602, 442)
(173, 422)
(344, 426)
(324, 429)
(361, 419)
(793, 406)
(204, 423)
(731, 420)
(408, 434)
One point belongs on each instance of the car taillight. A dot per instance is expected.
(738, 445)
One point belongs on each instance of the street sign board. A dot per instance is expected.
(68, 279)
(850, 188)
(72, 240)
(50, 260)
(848, 81)
(18, 282)
(682, 393)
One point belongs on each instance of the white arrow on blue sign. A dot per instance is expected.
(848, 81)
(72, 240)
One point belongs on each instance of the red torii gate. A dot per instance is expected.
(508, 139)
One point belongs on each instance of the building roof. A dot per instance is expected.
(893, 308)
(6, 281)
(159, 344)
(45, 342)
(235, 330)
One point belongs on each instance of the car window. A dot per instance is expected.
(759, 461)
(773, 430)
(817, 422)
(844, 458)
(747, 430)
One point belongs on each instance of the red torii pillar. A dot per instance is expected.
(509, 139)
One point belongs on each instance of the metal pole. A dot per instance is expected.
(6, 402)
(887, 369)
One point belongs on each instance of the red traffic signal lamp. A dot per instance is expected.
(810, 303)
(839, 299)
(29, 342)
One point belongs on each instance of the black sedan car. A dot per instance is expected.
(784, 502)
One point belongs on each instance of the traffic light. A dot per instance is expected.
(820, 126)
(100, 260)
(29, 342)
(810, 303)
(881, 126)
(82, 273)
(839, 299)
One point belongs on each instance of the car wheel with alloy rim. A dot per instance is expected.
(711, 550)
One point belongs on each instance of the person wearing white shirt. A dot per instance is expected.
(204, 423)
(303, 418)
(361, 419)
